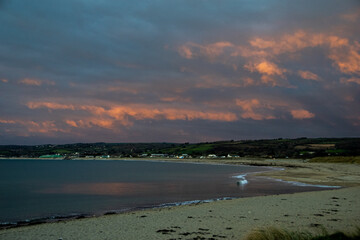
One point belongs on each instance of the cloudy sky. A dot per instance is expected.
(178, 71)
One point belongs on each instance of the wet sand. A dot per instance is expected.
(228, 219)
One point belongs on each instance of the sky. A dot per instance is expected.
(178, 71)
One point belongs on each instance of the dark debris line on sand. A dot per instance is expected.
(201, 232)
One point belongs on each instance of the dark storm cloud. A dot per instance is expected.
(114, 71)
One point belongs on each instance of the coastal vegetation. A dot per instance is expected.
(317, 149)
(337, 159)
(272, 233)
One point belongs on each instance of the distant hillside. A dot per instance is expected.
(274, 148)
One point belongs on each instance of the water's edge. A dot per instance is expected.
(242, 181)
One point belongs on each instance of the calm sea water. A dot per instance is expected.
(31, 189)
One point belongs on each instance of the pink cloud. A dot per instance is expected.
(347, 58)
(288, 43)
(261, 53)
(72, 123)
(7, 121)
(350, 80)
(308, 75)
(266, 68)
(125, 115)
(185, 51)
(49, 105)
(35, 82)
(249, 106)
(265, 109)
(301, 114)
(45, 127)
(210, 51)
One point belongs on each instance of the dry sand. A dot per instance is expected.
(228, 219)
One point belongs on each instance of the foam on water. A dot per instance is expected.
(194, 202)
(300, 184)
(242, 179)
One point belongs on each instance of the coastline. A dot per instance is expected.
(228, 219)
(291, 170)
(338, 209)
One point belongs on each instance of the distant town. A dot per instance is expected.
(300, 148)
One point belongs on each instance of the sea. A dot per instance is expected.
(34, 191)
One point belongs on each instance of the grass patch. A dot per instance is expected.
(272, 233)
(337, 159)
(62, 151)
(193, 149)
(336, 151)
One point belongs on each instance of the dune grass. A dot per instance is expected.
(337, 159)
(272, 233)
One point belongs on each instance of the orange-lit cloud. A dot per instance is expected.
(289, 43)
(265, 109)
(265, 67)
(4, 80)
(347, 59)
(141, 112)
(42, 127)
(344, 54)
(210, 51)
(71, 123)
(125, 115)
(249, 106)
(104, 123)
(31, 127)
(35, 82)
(301, 114)
(261, 53)
(49, 105)
(271, 74)
(7, 121)
(308, 75)
(90, 122)
(350, 80)
(185, 51)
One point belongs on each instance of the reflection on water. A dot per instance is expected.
(32, 189)
(114, 189)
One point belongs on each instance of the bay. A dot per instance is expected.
(33, 189)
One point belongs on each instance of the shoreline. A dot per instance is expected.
(75, 216)
(228, 219)
(345, 175)
(240, 180)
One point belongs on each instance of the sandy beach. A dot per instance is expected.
(228, 219)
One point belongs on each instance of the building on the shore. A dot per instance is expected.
(51, 156)
(155, 155)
